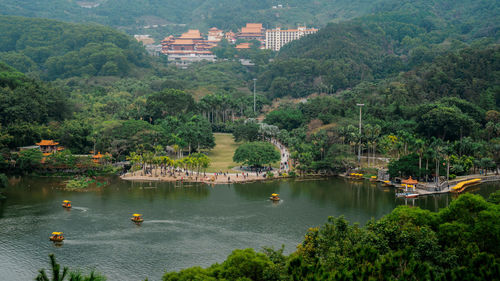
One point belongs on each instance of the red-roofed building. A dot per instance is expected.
(252, 31)
(215, 34)
(49, 146)
(243, 46)
(187, 48)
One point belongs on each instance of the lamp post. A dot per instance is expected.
(359, 146)
(254, 80)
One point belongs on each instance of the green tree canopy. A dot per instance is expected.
(256, 154)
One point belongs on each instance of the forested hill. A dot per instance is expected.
(52, 49)
(25, 103)
(226, 14)
(396, 38)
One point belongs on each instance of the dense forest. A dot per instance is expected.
(51, 49)
(379, 46)
(132, 16)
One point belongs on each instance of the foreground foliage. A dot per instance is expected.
(58, 275)
(460, 242)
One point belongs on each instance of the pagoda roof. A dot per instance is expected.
(98, 155)
(255, 25)
(409, 181)
(46, 143)
(251, 30)
(183, 42)
(243, 46)
(192, 34)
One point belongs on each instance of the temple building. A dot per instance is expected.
(188, 48)
(215, 34)
(49, 146)
(230, 37)
(276, 38)
(252, 31)
(243, 46)
(144, 39)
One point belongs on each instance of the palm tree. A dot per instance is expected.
(420, 146)
(59, 276)
(56, 275)
(368, 132)
(437, 145)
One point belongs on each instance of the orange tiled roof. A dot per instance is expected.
(47, 142)
(183, 42)
(255, 25)
(243, 46)
(98, 155)
(192, 34)
(409, 181)
(251, 30)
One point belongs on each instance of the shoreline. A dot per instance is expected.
(220, 179)
(448, 189)
(229, 178)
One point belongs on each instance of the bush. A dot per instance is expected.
(269, 174)
(3, 181)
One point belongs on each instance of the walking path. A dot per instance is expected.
(285, 155)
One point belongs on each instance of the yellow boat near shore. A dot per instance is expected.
(461, 186)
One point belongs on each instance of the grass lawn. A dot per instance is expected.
(221, 155)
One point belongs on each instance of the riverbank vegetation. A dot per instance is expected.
(83, 183)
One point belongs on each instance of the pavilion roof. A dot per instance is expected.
(409, 181)
(46, 143)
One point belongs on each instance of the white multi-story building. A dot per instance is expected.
(276, 38)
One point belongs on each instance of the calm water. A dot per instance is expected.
(186, 225)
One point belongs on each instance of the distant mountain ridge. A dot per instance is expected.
(399, 37)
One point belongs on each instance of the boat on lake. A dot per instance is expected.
(411, 195)
(461, 186)
(388, 183)
(373, 178)
(274, 197)
(56, 237)
(66, 204)
(407, 194)
(137, 218)
(356, 176)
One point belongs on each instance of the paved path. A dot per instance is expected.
(285, 155)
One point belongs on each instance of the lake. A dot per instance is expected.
(185, 224)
